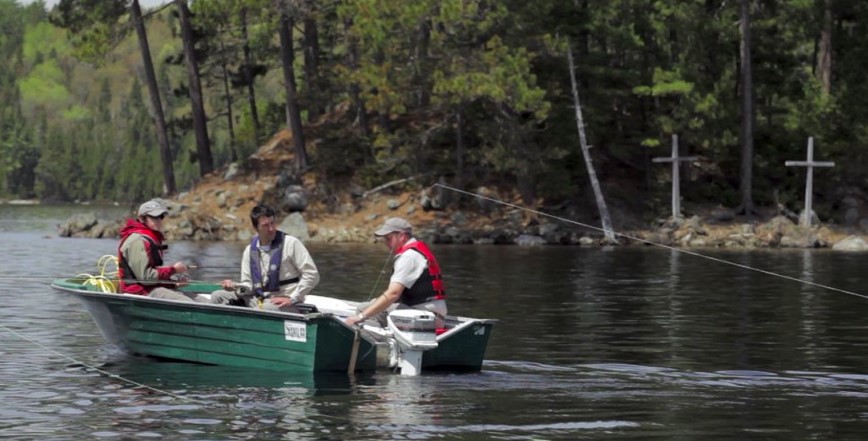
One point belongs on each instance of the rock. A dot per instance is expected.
(294, 198)
(77, 224)
(698, 243)
(393, 204)
(851, 243)
(548, 228)
(586, 241)
(231, 171)
(105, 230)
(526, 240)
(294, 225)
(434, 198)
(458, 218)
(815, 220)
(486, 203)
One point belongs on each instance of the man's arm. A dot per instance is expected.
(296, 255)
(386, 299)
(246, 281)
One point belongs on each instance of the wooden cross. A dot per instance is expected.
(809, 186)
(676, 175)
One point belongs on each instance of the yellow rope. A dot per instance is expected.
(106, 281)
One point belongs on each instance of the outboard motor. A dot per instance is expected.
(414, 332)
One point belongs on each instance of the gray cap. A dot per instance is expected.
(152, 208)
(394, 224)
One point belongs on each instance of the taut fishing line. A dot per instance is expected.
(100, 371)
(638, 239)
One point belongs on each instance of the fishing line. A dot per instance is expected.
(380, 275)
(81, 276)
(637, 239)
(101, 371)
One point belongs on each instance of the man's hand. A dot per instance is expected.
(281, 301)
(352, 320)
(228, 285)
(182, 280)
(180, 268)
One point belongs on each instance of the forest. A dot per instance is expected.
(103, 101)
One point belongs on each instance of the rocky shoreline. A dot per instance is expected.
(315, 210)
(460, 228)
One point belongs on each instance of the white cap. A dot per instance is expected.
(152, 208)
(394, 224)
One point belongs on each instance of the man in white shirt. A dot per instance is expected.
(277, 271)
(416, 280)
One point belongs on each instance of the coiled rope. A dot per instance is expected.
(106, 281)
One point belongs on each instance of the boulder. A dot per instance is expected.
(77, 225)
(851, 243)
(295, 225)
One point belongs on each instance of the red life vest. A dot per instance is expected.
(429, 286)
(153, 247)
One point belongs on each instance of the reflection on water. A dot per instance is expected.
(201, 379)
(596, 344)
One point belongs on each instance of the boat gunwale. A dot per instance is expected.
(196, 305)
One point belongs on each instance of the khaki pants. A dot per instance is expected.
(223, 297)
(165, 293)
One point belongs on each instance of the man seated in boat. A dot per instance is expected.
(277, 271)
(140, 256)
(416, 280)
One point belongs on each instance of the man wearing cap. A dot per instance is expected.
(140, 256)
(277, 271)
(416, 280)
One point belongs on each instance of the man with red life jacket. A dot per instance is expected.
(277, 271)
(140, 256)
(416, 280)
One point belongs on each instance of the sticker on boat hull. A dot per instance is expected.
(294, 331)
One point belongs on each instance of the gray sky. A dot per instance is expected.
(144, 3)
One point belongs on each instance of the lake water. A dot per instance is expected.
(603, 344)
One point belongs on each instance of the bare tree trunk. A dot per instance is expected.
(311, 60)
(459, 149)
(355, 91)
(747, 117)
(200, 124)
(293, 113)
(608, 232)
(156, 104)
(383, 119)
(249, 79)
(227, 90)
(423, 68)
(824, 57)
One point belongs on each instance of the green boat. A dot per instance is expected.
(316, 341)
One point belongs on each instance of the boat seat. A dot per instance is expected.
(306, 308)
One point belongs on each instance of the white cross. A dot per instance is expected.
(809, 186)
(676, 175)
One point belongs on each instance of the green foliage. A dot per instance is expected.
(473, 88)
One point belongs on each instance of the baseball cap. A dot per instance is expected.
(394, 224)
(152, 208)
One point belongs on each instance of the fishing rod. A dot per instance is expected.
(213, 267)
(645, 241)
